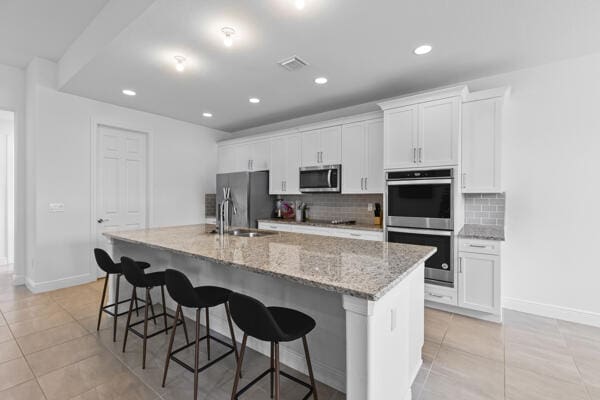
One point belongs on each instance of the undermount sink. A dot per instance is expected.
(249, 233)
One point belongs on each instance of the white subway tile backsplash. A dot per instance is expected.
(485, 208)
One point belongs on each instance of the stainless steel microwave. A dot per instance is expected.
(324, 178)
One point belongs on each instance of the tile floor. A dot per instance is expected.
(49, 349)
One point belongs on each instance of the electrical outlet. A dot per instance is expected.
(370, 207)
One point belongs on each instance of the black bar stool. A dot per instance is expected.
(275, 325)
(139, 279)
(181, 290)
(107, 265)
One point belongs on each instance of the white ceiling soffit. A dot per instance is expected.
(364, 48)
(43, 28)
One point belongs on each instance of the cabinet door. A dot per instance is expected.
(311, 148)
(278, 164)
(260, 155)
(331, 145)
(374, 179)
(481, 142)
(400, 137)
(479, 282)
(438, 133)
(353, 157)
(226, 159)
(243, 156)
(292, 170)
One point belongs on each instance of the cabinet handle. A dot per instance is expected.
(366, 181)
(420, 154)
(460, 265)
(439, 296)
(362, 183)
(285, 186)
(355, 234)
(252, 165)
(414, 154)
(464, 179)
(479, 246)
(282, 186)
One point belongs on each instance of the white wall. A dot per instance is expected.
(551, 163)
(6, 188)
(12, 98)
(184, 168)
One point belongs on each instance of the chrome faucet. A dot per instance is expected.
(224, 211)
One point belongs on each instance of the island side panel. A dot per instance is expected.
(384, 340)
(326, 342)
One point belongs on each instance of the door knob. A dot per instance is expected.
(101, 220)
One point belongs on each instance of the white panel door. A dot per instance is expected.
(479, 282)
(292, 170)
(374, 179)
(438, 139)
(278, 164)
(400, 137)
(331, 145)
(481, 141)
(353, 157)
(121, 181)
(311, 148)
(260, 155)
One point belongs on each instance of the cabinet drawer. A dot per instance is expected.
(276, 227)
(479, 246)
(357, 234)
(441, 294)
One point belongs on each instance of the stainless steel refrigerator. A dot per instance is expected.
(250, 195)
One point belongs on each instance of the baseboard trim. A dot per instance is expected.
(327, 375)
(40, 287)
(464, 311)
(18, 279)
(552, 311)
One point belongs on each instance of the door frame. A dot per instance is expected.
(94, 126)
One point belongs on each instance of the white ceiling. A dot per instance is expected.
(363, 47)
(43, 28)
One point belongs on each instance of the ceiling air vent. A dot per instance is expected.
(293, 63)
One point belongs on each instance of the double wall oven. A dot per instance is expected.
(419, 210)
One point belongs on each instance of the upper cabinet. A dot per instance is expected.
(423, 130)
(481, 141)
(284, 173)
(362, 157)
(246, 156)
(321, 146)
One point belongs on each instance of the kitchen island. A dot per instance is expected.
(366, 297)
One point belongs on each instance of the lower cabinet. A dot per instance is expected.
(315, 230)
(479, 279)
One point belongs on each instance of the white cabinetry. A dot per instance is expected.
(423, 130)
(479, 280)
(284, 166)
(481, 141)
(246, 156)
(322, 146)
(316, 230)
(362, 161)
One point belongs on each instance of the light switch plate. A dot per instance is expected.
(370, 207)
(56, 207)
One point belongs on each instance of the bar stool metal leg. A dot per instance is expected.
(272, 366)
(118, 277)
(310, 370)
(149, 297)
(146, 327)
(231, 331)
(197, 353)
(277, 388)
(133, 298)
(171, 340)
(207, 333)
(239, 368)
(102, 302)
(137, 306)
(164, 304)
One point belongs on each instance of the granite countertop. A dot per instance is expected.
(486, 232)
(360, 268)
(324, 224)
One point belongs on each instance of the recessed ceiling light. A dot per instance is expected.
(254, 100)
(207, 115)
(229, 33)
(321, 80)
(300, 4)
(423, 49)
(180, 63)
(129, 92)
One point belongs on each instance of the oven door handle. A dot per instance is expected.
(420, 231)
(419, 182)
(329, 179)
